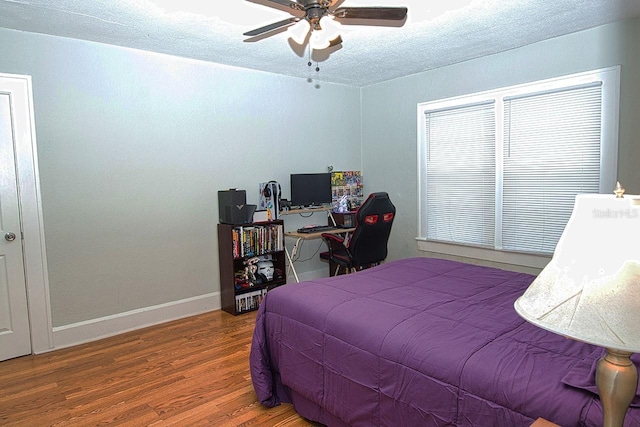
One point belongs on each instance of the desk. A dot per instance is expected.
(327, 209)
(307, 236)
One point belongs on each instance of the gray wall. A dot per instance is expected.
(389, 109)
(133, 147)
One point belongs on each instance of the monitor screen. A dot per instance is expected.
(310, 189)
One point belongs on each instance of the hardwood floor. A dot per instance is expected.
(189, 372)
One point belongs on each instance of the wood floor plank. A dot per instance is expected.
(192, 371)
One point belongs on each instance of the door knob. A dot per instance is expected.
(10, 237)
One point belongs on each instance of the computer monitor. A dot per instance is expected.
(310, 189)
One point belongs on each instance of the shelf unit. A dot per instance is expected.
(238, 244)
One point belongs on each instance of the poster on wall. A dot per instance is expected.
(346, 190)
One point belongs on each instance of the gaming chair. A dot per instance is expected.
(367, 245)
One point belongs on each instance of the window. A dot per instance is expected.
(460, 156)
(501, 169)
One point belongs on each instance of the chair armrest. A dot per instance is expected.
(333, 238)
(334, 242)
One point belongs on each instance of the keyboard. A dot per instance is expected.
(316, 229)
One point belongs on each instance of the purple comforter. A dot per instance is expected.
(419, 342)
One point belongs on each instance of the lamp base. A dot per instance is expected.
(617, 382)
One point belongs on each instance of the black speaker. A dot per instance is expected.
(233, 208)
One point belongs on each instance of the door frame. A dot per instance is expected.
(31, 219)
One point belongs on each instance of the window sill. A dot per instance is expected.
(517, 261)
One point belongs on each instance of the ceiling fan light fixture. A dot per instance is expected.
(324, 34)
(331, 27)
(298, 32)
(319, 40)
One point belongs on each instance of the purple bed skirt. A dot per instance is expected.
(420, 342)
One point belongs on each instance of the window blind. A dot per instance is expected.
(551, 153)
(460, 174)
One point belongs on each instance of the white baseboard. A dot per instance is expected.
(95, 329)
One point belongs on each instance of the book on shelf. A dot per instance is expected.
(250, 300)
(254, 240)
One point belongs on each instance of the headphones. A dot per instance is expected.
(267, 189)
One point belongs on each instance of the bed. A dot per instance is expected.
(420, 342)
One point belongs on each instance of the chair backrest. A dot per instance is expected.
(368, 243)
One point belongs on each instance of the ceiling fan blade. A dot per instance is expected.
(385, 13)
(280, 24)
(290, 4)
(335, 42)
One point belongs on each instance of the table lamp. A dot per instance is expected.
(590, 291)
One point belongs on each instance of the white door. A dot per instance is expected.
(15, 339)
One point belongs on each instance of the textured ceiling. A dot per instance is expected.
(436, 33)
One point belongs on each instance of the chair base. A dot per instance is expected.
(337, 268)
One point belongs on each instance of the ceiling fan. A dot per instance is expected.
(316, 19)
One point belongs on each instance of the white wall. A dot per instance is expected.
(133, 147)
(389, 109)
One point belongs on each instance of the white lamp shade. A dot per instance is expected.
(590, 290)
(298, 32)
